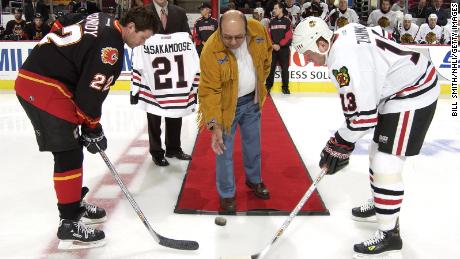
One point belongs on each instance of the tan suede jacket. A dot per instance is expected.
(218, 88)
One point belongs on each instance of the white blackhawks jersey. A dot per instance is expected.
(412, 31)
(376, 17)
(422, 36)
(376, 75)
(350, 14)
(166, 74)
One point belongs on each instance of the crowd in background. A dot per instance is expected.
(425, 22)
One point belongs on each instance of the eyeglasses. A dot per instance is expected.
(236, 38)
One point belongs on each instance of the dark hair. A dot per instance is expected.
(19, 10)
(243, 17)
(142, 18)
(282, 5)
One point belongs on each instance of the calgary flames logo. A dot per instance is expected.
(342, 76)
(109, 55)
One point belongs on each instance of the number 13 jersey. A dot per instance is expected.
(376, 75)
(166, 75)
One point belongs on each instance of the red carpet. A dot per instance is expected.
(283, 172)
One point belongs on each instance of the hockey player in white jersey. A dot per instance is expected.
(165, 75)
(430, 33)
(383, 17)
(407, 30)
(382, 86)
(342, 16)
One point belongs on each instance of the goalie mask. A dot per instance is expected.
(308, 32)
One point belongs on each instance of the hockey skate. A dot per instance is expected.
(91, 214)
(365, 212)
(384, 244)
(73, 234)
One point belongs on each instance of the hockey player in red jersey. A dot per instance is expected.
(62, 86)
(383, 86)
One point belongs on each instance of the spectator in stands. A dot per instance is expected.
(293, 12)
(18, 34)
(33, 7)
(280, 31)
(383, 17)
(330, 5)
(430, 33)
(71, 5)
(112, 12)
(442, 13)
(89, 6)
(135, 3)
(2, 32)
(17, 21)
(37, 29)
(407, 30)
(315, 8)
(419, 10)
(342, 16)
(204, 27)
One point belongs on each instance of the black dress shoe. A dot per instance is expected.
(160, 161)
(285, 90)
(259, 190)
(227, 205)
(179, 155)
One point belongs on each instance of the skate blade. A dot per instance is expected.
(88, 221)
(386, 255)
(75, 244)
(371, 219)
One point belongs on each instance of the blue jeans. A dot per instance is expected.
(248, 117)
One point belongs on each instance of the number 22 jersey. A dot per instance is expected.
(376, 75)
(69, 72)
(166, 75)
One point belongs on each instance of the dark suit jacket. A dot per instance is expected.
(90, 7)
(416, 13)
(443, 14)
(177, 19)
(29, 12)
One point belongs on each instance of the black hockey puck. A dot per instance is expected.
(220, 221)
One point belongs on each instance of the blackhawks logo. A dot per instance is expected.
(109, 55)
(342, 76)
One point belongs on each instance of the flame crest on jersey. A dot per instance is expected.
(342, 76)
(109, 55)
(312, 24)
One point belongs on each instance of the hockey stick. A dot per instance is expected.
(286, 223)
(164, 241)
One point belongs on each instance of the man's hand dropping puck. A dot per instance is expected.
(220, 221)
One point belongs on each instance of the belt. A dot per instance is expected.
(248, 95)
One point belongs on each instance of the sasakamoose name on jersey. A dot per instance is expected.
(167, 48)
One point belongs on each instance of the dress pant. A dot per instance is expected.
(172, 135)
(248, 117)
(282, 57)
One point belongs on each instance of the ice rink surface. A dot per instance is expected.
(430, 225)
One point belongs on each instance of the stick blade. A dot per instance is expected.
(179, 244)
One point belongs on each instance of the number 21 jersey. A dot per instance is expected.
(376, 75)
(165, 75)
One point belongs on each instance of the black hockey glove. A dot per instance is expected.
(336, 154)
(90, 137)
(134, 99)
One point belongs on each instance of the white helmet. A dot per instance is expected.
(308, 32)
